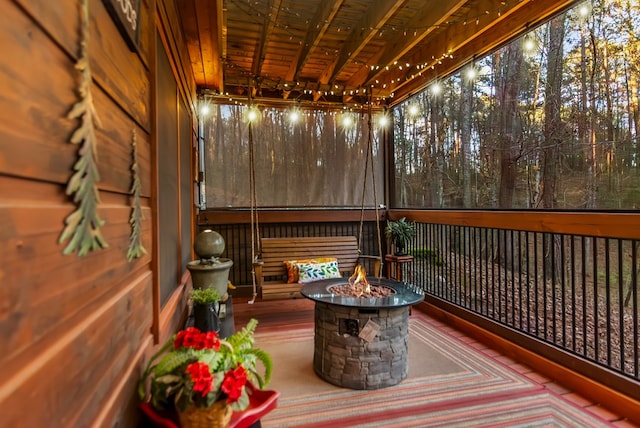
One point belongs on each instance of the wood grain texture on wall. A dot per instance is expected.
(121, 73)
(74, 331)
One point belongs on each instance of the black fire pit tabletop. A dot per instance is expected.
(405, 294)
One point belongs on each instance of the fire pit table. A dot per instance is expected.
(361, 342)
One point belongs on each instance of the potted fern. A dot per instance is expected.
(399, 233)
(205, 378)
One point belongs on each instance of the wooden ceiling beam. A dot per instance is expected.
(218, 46)
(427, 19)
(324, 16)
(270, 20)
(208, 17)
(465, 29)
(466, 41)
(363, 31)
(359, 77)
(188, 14)
(223, 30)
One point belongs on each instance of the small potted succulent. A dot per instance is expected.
(399, 233)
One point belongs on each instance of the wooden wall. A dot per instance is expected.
(75, 330)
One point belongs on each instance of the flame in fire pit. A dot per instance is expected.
(358, 281)
(358, 286)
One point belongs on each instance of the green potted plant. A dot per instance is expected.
(399, 233)
(205, 378)
(206, 309)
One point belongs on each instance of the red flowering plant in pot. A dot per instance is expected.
(197, 371)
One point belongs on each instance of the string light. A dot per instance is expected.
(529, 45)
(347, 120)
(436, 88)
(294, 116)
(471, 72)
(254, 12)
(383, 121)
(258, 11)
(253, 114)
(584, 10)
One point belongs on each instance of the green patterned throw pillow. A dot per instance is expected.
(310, 272)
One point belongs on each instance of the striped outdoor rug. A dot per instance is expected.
(449, 385)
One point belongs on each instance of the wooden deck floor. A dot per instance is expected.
(285, 314)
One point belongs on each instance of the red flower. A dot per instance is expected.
(234, 381)
(210, 340)
(194, 338)
(201, 377)
(187, 338)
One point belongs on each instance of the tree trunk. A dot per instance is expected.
(509, 126)
(466, 113)
(552, 134)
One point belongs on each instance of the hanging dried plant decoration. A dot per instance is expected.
(83, 225)
(136, 249)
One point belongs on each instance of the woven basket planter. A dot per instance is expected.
(216, 416)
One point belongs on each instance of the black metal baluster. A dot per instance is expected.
(545, 284)
(636, 315)
(621, 304)
(536, 291)
(528, 284)
(596, 328)
(493, 282)
(607, 287)
(573, 293)
(513, 279)
(563, 308)
(585, 315)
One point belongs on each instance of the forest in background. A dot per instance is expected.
(549, 121)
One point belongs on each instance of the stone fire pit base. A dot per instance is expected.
(343, 358)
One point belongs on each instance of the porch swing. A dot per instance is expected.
(276, 257)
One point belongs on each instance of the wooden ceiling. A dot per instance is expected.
(343, 51)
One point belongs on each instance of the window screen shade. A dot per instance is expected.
(315, 162)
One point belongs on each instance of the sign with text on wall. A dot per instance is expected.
(126, 15)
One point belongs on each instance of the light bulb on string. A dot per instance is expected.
(253, 114)
(530, 44)
(294, 116)
(471, 72)
(436, 88)
(383, 120)
(584, 10)
(347, 120)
